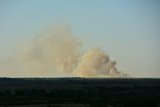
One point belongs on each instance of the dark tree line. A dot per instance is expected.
(129, 92)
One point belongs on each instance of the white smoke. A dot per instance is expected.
(96, 62)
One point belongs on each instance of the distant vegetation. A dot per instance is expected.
(90, 91)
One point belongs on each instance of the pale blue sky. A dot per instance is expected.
(128, 30)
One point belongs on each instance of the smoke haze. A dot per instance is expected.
(58, 53)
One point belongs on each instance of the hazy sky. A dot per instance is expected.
(128, 30)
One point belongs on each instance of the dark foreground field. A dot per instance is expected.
(79, 92)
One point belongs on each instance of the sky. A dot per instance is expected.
(128, 30)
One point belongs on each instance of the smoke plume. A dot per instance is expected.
(58, 53)
(96, 62)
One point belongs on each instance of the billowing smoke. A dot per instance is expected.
(96, 62)
(58, 53)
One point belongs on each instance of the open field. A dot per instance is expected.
(79, 92)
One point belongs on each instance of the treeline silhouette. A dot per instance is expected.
(93, 91)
